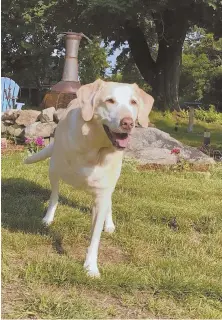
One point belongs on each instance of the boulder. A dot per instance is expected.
(39, 129)
(3, 127)
(11, 115)
(152, 125)
(47, 115)
(152, 145)
(59, 114)
(152, 155)
(9, 122)
(15, 130)
(27, 117)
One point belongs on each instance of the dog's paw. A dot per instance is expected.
(92, 271)
(109, 228)
(46, 221)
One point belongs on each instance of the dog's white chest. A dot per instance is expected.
(97, 177)
(90, 177)
(89, 170)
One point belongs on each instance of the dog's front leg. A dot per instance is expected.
(54, 181)
(109, 225)
(99, 213)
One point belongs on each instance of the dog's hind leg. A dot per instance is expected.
(53, 201)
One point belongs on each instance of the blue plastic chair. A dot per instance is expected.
(9, 94)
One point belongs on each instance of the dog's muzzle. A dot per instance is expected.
(119, 140)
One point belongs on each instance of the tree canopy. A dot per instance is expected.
(155, 32)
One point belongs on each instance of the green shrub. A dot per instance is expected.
(210, 115)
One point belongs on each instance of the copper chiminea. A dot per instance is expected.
(65, 90)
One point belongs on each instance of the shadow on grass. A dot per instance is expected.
(23, 207)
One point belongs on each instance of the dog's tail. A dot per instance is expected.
(41, 155)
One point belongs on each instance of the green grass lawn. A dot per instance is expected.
(195, 138)
(164, 260)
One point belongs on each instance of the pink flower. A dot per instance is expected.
(175, 151)
(39, 141)
(28, 140)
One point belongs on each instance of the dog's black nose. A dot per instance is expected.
(127, 123)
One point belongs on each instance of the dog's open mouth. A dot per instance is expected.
(119, 140)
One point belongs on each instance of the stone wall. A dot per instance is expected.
(23, 124)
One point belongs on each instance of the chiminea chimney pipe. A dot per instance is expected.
(70, 71)
(70, 81)
(65, 90)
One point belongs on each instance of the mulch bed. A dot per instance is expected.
(12, 148)
(161, 167)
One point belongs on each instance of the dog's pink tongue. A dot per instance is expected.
(122, 143)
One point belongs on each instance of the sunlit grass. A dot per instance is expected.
(164, 260)
(195, 139)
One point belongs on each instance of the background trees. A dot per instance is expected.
(152, 32)
(201, 75)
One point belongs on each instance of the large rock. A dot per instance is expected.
(9, 122)
(27, 117)
(15, 130)
(39, 129)
(59, 113)
(47, 115)
(10, 115)
(152, 145)
(3, 127)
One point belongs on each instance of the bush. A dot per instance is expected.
(210, 115)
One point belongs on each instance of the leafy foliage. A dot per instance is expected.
(92, 61)
(202, 70)
(30, 31)
(195, 76)
(127, 71)
(208, 115)
(28, 40)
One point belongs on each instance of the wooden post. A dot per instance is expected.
(191, 119)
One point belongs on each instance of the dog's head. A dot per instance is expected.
(116, 106)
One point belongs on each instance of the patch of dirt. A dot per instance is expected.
(108, 252)
(120, 307)
(152, 166)
(129, 306)
(12, 297)
(195, 238)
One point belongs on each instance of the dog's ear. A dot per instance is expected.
(85, 97)
(146, 103)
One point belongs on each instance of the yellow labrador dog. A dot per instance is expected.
(88, 149)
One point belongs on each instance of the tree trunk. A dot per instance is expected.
(164, 73)
(165, 83)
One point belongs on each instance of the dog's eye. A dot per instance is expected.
(110, 101)
(133, 102)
